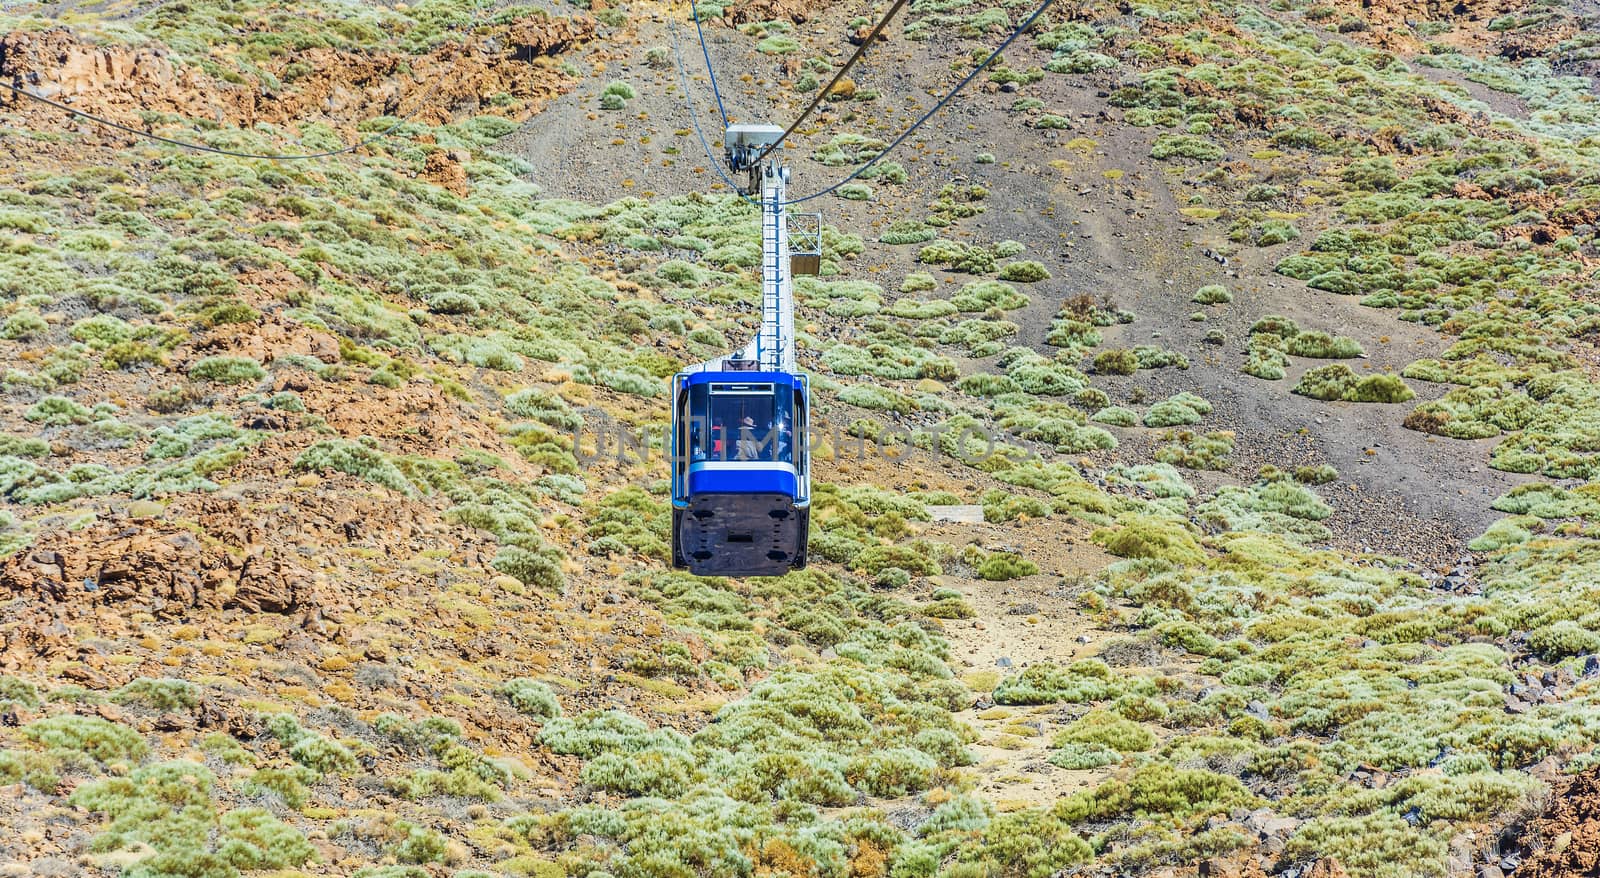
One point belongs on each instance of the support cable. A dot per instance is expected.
(694, 117)
(822, 94)
(936, 107)
(706, 53)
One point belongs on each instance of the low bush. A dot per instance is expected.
(24, 325)
(1558, 640)
(531, 697)
(1186, 147)
(1116, 361)
(1196, 451)
(1106, 729)
(1321, 345)
(1339, 382)
(1002, 566)
(227, 370)
(1049, 683)
(164, 694)
(1025, 272)
(1143, 536)
(356, 459)
(104, 741)
(1172, 413)
(1079, 757)
(1212, 294)
(1116, 416)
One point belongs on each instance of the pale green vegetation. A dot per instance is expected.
(1302, 667)
(1340, 382)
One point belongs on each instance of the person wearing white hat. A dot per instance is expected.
(748, 447)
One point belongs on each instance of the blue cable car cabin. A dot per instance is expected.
(741, 481)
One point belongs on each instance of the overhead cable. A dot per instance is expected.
(706, 53)
(823, 93)
(1022, 28)
(694, 116)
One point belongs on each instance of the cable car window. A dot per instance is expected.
(801, 425)
(741, 422)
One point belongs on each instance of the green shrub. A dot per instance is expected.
(1195, 451)
(166, 806)
(544, 406)
(1079, 757)
(985, 294)
(915, 559)
(24, 325)
(599, 731)
(1105, 729)
(227, 370)
(128, 354)
(1116, 361)
(985, 384)
(1116, 416)
(15, 692)
(1212, 294)
(1049, 683)
(1321, 474)
(1171, 413)
(652, 771)
(323, 755)
(1143, 536)
(1002, 566)
(1081, 61)
(1339, 382)
(417, 844)
(778, 44)
(891, 772)
(854, 192)
(1380, 844)
(539, 569)
(531, 697)
(356, 459)
(164, 694)
(23, 446)
(168, 400)
(1274, 232)
(254, 839)
(1558, 640)
(1186, 147)
(288, 784)
(101, 331)
(1026, 272)
(1153, 357)
(57, 411)
(1323, 346)
(90, 735)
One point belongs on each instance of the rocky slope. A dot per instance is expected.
(1280, 319)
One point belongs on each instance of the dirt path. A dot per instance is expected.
(1017, 624)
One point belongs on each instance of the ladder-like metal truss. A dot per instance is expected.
(775, 341)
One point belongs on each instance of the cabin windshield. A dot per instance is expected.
(741, 421)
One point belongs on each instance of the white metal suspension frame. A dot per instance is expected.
(774, 344)
(773, 347)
